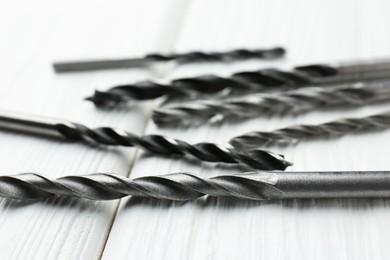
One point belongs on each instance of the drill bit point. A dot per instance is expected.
(99, 99)
(93, 99)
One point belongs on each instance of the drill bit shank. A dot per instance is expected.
(295, 133)
(189, 57)
(293, 101)
(185, 186)
(246, 82)
(210, 152)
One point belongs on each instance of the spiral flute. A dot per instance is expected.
(245, 82)
(298, 132)
(299, 100)
(188, 57)
(210, 152)
(185, 186)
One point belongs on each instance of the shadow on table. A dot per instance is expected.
(65, 203)
(83, 205)
(231, 203)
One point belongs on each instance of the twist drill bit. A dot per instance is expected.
(294, 101)
(210, 152)
(299, 132)
(245, 82)
(185, 186)
(189, 57)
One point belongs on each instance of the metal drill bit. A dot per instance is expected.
(189, 57)
(185, 186)
(246, 82)
(295, 133)
(293, 101)
(210, 152)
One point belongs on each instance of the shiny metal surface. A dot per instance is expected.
(147, 60)
(299, 100)
(258, 81)
(29, 124)
(186, 186)
(157, 144)
(296, 133)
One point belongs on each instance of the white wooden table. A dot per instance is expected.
(35, 33)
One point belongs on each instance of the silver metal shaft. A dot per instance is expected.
(185, 186)
(349, 71)
(364, 66)
(30, 124)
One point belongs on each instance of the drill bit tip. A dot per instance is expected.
(104, 99)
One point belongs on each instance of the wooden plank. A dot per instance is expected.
(33, 35)
(225, 229)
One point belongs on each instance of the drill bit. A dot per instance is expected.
(295, 133)
(210, 152)
(245, 82)
(185, 186)
(180, 58)
(299, 100)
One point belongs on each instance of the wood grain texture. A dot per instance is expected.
(33, 34)
(227, 229)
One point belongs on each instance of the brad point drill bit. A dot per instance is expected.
(185, 186)
(298, 132)
(210, 152)
(246, 82)
(293, 101)
(189, 57)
